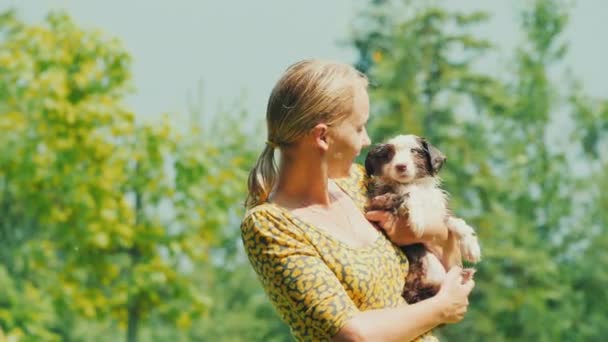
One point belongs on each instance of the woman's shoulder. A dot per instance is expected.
(269, 223)
(264, 214)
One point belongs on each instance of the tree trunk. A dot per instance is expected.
(132, 322)
(133, 314)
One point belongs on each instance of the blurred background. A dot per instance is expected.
(127, 130)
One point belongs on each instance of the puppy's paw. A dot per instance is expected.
(459, 227)
(470, 249)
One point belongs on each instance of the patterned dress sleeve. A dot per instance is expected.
(304, 290)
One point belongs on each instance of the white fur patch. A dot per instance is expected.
(426, 204)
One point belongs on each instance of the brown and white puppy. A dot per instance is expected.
(403, 180)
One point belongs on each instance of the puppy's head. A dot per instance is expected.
(403, 159)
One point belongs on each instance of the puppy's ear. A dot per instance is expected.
(377, 156)
(435, 159)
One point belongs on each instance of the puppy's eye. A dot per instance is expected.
(416, 150)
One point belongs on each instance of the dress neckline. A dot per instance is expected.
(286, 212)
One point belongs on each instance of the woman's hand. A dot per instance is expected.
(396, 228)
(453, 297)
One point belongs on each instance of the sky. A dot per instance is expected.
(237, 49)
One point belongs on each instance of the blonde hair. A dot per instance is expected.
(309, 92)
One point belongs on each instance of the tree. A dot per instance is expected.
(519, 191)
(105, 215)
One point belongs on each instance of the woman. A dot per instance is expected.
(329, 273)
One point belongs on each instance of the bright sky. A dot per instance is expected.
(239, 48)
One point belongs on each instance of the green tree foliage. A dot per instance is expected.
(506, 174)
(103, 219)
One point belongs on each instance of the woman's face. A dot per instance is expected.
(347, 138)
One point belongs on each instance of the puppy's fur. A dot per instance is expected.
(403, 180)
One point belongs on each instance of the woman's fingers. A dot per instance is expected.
(454, 292)
(384, 219)
(379, 216)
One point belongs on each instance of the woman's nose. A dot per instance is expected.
(366, 141)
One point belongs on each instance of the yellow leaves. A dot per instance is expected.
(12, 57)
(183, 321)
(123, 128)
(112, 271)
(69, 288)
(122, 324)
(111, 174)
(6, 59)
(60, 215)
(31, 292)
(125, 234)
(521, 159)
(86, 73)
(213, 151)
(101, 240)
(54, 82)
(158, 277)
(85, 197)
(104, 150)
(14, 335)
(63, 143)
(195, 247)
(127, 211)
(238, 161)
(109, 215)
(87, 307)
(70, 115)
(377, 56)
(12, 121)
(40, 37)
(110, 228)
(5, 315)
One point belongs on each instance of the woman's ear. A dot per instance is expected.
(320, 135)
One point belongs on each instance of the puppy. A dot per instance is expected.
(403, 180)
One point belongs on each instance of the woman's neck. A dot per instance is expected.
(302, 183)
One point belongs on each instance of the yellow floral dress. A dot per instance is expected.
(315, 281)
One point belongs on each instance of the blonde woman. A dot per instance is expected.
(327, 270)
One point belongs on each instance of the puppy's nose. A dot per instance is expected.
(401, 167)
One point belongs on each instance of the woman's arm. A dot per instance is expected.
(410, 321)
(396, 324)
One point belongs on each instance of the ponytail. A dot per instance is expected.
(262, 177)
